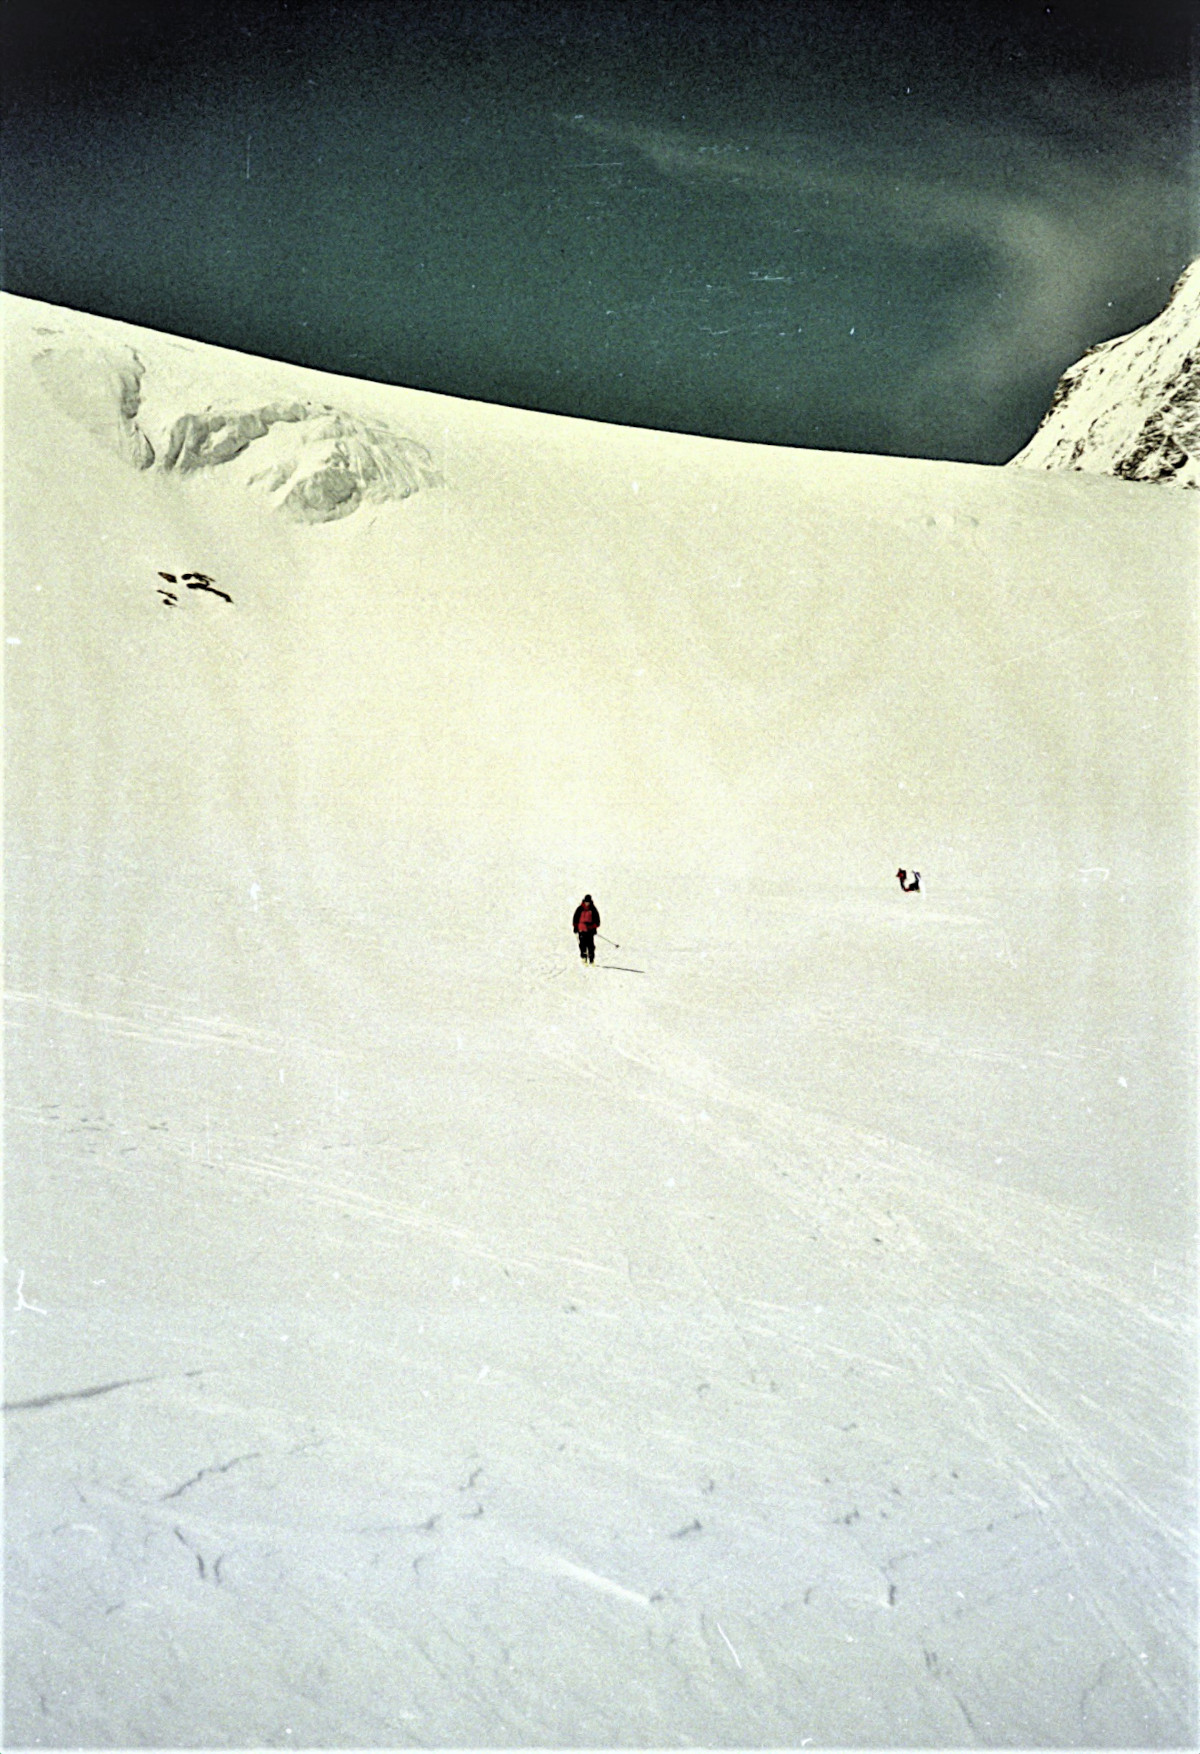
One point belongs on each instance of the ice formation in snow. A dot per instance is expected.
(1131, 406)
(314, 462)
(100, 386)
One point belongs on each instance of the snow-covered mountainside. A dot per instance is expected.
(780, 1333)
(157, 406)
(1131, 407)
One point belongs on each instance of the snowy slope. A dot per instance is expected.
(779, 1333)
(1131, 407)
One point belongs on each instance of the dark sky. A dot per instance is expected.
(875, 227)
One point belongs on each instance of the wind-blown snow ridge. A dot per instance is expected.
(313, 461)
(1131, 406)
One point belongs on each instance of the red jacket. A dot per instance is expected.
(587, 917)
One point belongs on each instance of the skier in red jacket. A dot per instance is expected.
(585, 924)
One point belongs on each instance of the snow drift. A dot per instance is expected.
(778, 1333)
(1131, 406)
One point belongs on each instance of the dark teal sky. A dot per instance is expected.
(876, 228)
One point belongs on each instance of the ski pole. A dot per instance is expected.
(615, 945)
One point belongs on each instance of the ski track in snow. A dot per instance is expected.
(944, 1323)
(414, 1337)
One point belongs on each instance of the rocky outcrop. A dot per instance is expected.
(1131, 407)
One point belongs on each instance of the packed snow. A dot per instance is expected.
(1131, 406)
(778, 1334)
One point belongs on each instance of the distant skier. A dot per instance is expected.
(585, 924)
(908, 884)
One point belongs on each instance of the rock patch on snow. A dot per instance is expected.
(314, 462)
(1131, 406)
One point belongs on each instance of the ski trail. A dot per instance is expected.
(398, 1216)
(162, 1025)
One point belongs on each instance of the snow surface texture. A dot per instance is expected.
(1131, 407)
(314, 462)
(780, 1333)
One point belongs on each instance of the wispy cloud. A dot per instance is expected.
(1061, 227)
